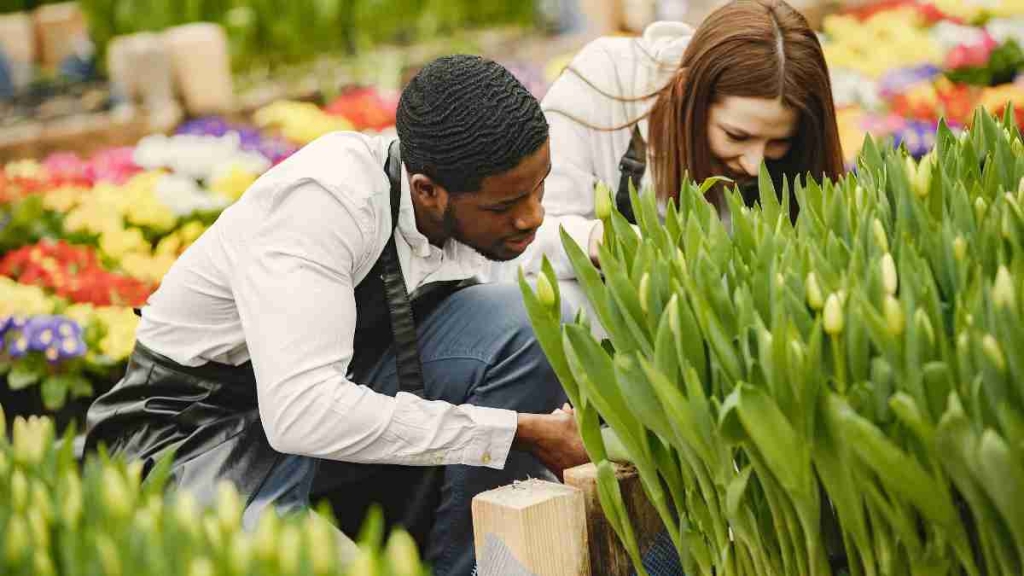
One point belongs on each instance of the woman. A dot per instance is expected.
(750, 84)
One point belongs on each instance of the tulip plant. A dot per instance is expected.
(56, 520)
(842, 395)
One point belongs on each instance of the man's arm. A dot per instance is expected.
(294, 292)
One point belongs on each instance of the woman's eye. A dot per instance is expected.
(736, 137)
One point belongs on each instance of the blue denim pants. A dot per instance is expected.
(477, 347)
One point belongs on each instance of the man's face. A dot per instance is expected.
(501, 219)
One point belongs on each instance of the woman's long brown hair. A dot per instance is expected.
(747, 48)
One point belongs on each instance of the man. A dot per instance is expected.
(284, 339)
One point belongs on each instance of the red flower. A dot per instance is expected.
(73, 272)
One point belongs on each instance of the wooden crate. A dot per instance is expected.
(550, 529)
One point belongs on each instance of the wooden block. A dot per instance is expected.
(18, 42)
(607, 555)
(18, 37)
(61, 30)
(140, 68)
(202, 67)
(533, 527)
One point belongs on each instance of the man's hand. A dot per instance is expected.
(553, 438)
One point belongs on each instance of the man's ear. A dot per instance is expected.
(427, 193)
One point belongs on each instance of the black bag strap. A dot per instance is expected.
(632, 167)
(403, 325)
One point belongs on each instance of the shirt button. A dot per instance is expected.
(486, 458)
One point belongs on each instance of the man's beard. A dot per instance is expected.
(450, 225)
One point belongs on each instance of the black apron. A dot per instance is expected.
(209, 416)
(632, 167)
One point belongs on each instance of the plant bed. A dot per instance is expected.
(839, 395)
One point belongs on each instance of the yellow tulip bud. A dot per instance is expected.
(959, 248)
(3, 425)
(71, 502)
(681, 260)
(834, 320)
(994, 352)
(980, 208)
(602, 201)
(545, 291)
(16, 538)
(1003, 293)
(229, 507)
(894, 317)
(645, 291)
(289, 549)
(321, 544)
(780, 280)
(265, 541)
(796, 354)
(19, 491)
(880, 237)
(403, 559)
(42, 564)
(185, 511)
(923, 177)
(109, 558)
(910, 167)
(364, 564)
(41, 500)
(201, 566)
(40, 529)
(240, 553)
(211, 528)
(890, 280)
(814, 297)
(116, 496)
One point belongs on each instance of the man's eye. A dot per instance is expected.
(500, 209)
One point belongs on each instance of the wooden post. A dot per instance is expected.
(607, 555)
(18, 42)
(532, 528)
(202, 67)
(61, 31)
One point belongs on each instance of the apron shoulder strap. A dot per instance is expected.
(403, 325)
(632, 167)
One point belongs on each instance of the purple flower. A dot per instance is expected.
(41, 332)
(208, 126)
(71, 347)
(18, 347)
(5, 324)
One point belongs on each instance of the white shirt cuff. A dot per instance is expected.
(493, 433)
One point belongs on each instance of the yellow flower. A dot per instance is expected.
(92, 216)
(81, 313)
(120, 324)
(64, 199)
(169, 246)
(233, 182)
(148, 268)
(300, 122)
(191, 232)
(24, 169)
(23, 300)
(119, 242)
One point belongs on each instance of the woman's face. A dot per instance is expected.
(744, 131)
